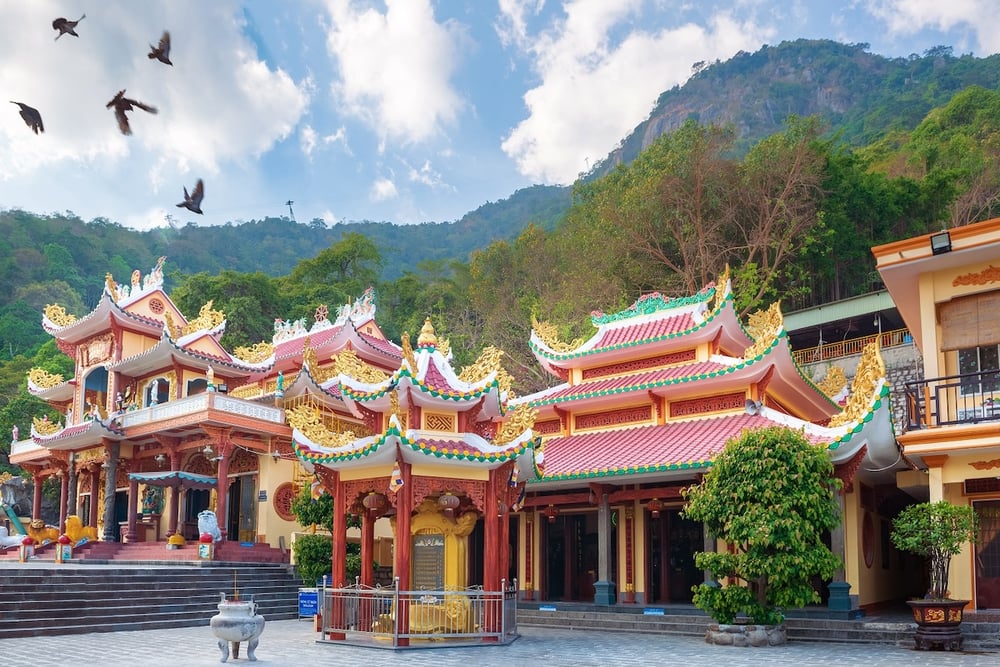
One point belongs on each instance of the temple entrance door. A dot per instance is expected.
(195, 500)
(241, 523)
(121, 510)
(571, 557)
(512, 550)
(987, 561)
(673, 541)
(476, 554)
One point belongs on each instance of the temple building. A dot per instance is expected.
(946, 286)
(573, 493)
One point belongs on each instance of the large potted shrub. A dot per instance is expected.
(770, 495)
(937, 531)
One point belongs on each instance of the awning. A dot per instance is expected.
(174, 479)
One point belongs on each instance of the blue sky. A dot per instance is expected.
(404, 111)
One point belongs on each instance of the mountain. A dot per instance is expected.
(860, 95)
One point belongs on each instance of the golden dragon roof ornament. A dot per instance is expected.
(763, 326)
(408, 355)
(517, 422)
(43, 379)
(488, 362)
(833, 382)
(871, 371)
(207, 319)
(45, 427)
(57, 315)
(720, 289)
(254, 354)
(549, 334)
(308, 421)
(350, 364)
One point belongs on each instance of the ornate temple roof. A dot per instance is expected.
(199, 349)
(47, 437)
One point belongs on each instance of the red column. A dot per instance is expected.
(222, 486)
(492, 553)
(338, 568)
(36, 501)
(63, 496)
(629, 555)
(529, 538)
(173, 510)
(367, 548)
(401, 558)
(133, 513)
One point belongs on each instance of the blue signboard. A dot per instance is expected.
(308, 602)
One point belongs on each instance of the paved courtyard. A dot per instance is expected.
(294, 643)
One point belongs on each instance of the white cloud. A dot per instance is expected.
(383, 189)
(328, 217)
(981, 17)
(511, 25)
(426, 175)
(218, 104)
(395, 67)
(307, 140)
(594, 91)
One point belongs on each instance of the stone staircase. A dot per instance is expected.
(980, 632)
(39, 598)
(157, 551)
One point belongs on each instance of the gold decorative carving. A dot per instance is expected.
(549, 334)
(308, 421)
(254, 354)
(439, 421)
(350, 364)
(45, 427)
(112, 286)
(58, 315)
(427, 337)
(173, 329)
(985, 465)
(871, 370)
(207, 319)
(408, 355)
(44, 379)
(444, 347)
(96, 350)
(720, 289)
(488, 362)
(991, 274)
(763, 326)
(310, 360)
(517, 422)
(833, 382)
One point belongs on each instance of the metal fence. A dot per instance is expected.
(386, 615)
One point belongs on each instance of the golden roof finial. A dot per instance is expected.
(427, 338)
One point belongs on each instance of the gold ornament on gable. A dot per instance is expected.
(254, 354)
(350, 364)
(871, 371)
(549, 334)
(408, 354)
(517, 422)
(207, 319)
(488, 362)
(720, 289)
(308, 421)
(44, 379)
(833, 382)
(173, 329)
(58, 315)
(43, 426)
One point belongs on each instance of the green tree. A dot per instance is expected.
(770, 495)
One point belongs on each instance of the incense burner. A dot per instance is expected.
(237, 621)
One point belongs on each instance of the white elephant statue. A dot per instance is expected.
(207, 523)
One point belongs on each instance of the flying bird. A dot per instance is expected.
(31, 117)
(192, 202)
(162, 51)
(122, 104)
(65, 26)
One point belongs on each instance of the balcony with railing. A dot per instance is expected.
(199, 403)
(969, 398)
(846, 348)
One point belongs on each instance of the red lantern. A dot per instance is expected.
(551, 512)
(449, 502)
(376, 503)
(654, 506)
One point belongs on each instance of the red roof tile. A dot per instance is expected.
(637, 381)
(646, 330)
(673, 446)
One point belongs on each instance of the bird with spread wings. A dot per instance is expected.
(31, 117)
(192, 202)
(162, 51)
(121, 104)
(66, 27)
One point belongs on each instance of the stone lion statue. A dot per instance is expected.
(41, 532)
(207, 523)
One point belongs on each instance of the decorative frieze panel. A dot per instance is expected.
(425, 487)
(708, 404)
(638, 414)
(547, 427)
(96, 350)
(636, 365)
(242, 461)
(437, 421)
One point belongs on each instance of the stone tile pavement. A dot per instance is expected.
(294, 643)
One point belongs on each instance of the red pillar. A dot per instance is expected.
(367, 548)
(401, 558)
(338, 567)
(133, 513)
(222, 485)
(173, 510)
(63, 496)
(492, 553)
(36, 501)
(529, 564)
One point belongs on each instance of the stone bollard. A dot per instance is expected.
(64, 549)
(26, 550)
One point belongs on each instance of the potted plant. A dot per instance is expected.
(936, 531)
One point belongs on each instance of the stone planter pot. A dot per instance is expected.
(938, 623)
(237, 621)
(739, 634)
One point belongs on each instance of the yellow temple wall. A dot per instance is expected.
(134, 343)
(270, 525)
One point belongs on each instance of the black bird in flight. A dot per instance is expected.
(31, 117)
(162, 51)
(192, 202)
(65, 26)
(122, 104)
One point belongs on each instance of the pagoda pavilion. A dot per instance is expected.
(641, 409)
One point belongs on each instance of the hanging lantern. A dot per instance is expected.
(551, 512)
(449, 502)
(654, 506)
(375, 503)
